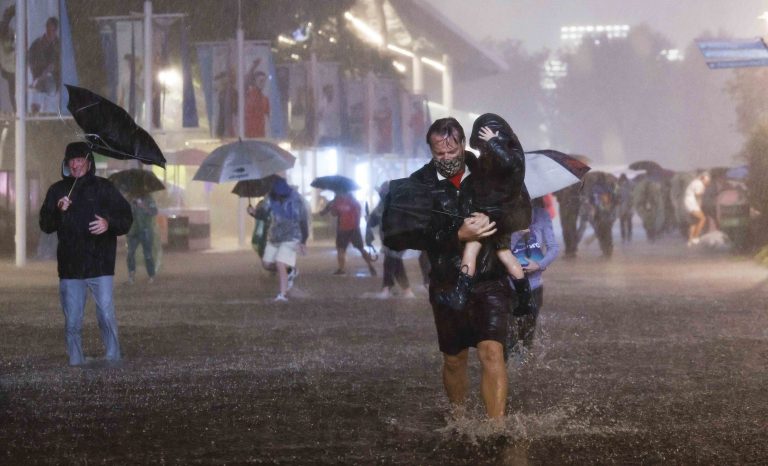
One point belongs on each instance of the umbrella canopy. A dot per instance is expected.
(647, 165)
(244, 160)
(136, 182)
(110, 130)
(547, 171)
(254, 188)
(337, 183)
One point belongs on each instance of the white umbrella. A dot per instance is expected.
(547, 171)
(244, 160)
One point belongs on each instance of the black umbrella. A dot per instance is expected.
(337, 183)
(110, 130)
(408, 212)
(647, 165)
(254, 188)
(136, 182)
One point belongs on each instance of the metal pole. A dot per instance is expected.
(148, 55)
(240, 116)
(418, 75)
(22, 196)
(448, 83)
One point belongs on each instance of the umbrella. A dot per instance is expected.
(647, 165)
(254, 188)
(136, 182)
(244, 160)
(547, 171)
(335, 183)
(110, 130)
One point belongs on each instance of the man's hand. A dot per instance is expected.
(98, 226)
(64, 203)
(251, 210)
(476, 227)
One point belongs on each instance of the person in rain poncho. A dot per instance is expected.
(87, 213)
(287, 234)
(144, 210)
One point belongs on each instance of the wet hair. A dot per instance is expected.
(446, 127)
(52, 21)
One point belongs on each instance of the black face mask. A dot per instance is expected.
(449, 168)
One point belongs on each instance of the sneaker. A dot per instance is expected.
(151, 280)
(383, 294)
(131, 279)
(409, 294)
(292, 277)
(281, 297)
(339, 272)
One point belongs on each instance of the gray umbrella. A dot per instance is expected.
(244, 160)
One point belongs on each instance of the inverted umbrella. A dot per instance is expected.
(337, 183)
(110, 130)
(136, 182)
(547, 171)
(244, 160)
(254, 188)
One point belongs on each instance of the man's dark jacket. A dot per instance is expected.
(416, 216)
(81, 254)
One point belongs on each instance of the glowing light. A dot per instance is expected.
(169, 77)
(433, 63)
(285, 40)
(399, 50)
(399, 66)
(367, 31)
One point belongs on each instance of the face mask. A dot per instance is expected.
(450, 167)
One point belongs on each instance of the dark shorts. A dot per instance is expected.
(344, 237)
(483, 318)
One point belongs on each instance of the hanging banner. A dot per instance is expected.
(122, 40)
(50, 57)
(294, 78)
(386, 115)
(416, 122)
(328, 104)
(356, 114)
(263, 114)
(8, 57)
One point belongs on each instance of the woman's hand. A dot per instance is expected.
(486, 134)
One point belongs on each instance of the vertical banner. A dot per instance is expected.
(129, 66)
(299, 105)
(356, 114)
(189, 103)
(328, 104)
(8, 57)
(416, 121)
(387, 128)
(263, 113)
(43, 57)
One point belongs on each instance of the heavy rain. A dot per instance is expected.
(264, 204)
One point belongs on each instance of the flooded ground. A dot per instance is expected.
(655, 356)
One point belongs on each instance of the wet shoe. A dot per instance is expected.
(281, 298)
(292, 277)
(339, 272)
(131, 279)
(383, 294)
(151, 280)
(409, 295)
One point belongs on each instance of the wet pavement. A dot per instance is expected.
(656, 356)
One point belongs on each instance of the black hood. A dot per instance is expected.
(495, 123)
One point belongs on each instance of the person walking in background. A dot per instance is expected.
(394, 268)
(692, 201)
(535, 248)
(569, 200)
(142, 232)
(347, 211)
(287, 235)
(87, 213)
(624, 194)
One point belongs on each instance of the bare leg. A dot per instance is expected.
(469, 257)
(341, 258)
(456, 379)
(493, 378)
(282, 273)
(511, 263)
